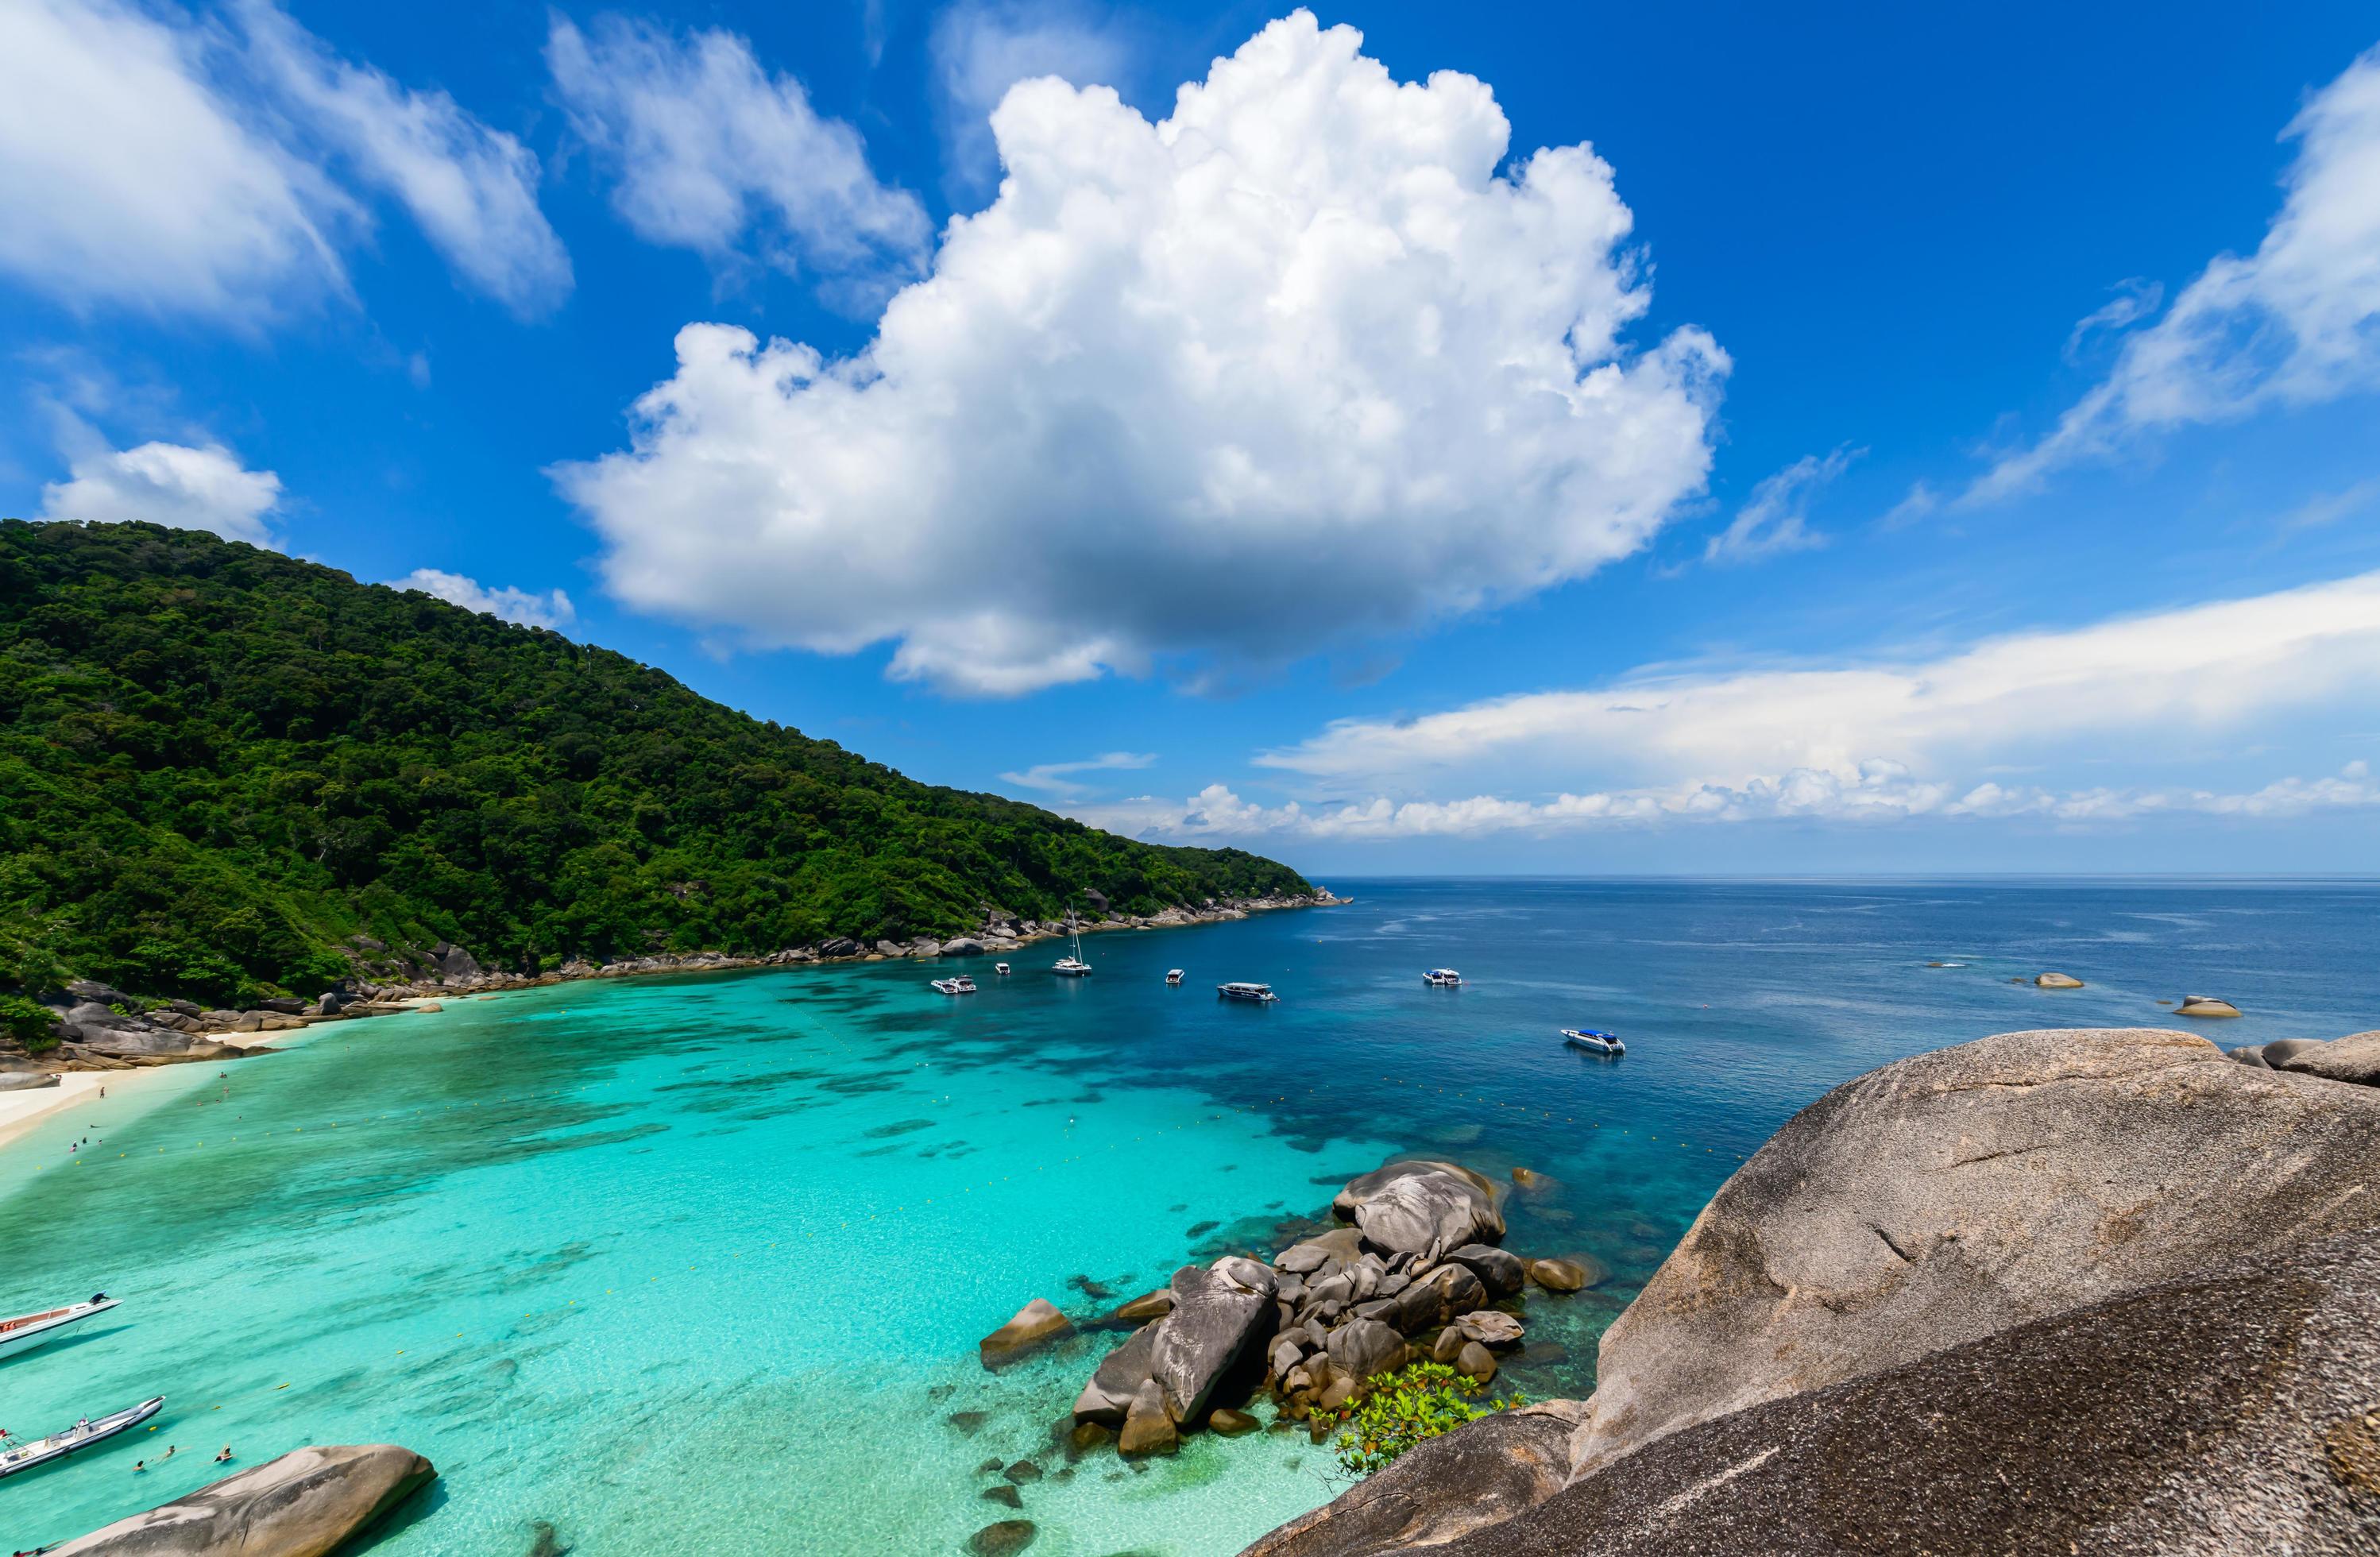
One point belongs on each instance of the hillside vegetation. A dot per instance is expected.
(224, 772)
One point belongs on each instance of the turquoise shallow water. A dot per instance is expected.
(698, 1265)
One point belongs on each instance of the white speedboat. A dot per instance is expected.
(1442, 978)
(1000, 968)
(959, 985)
(28, 1331)
(1594, 1042)
(1174, 975)
(1241, 989)
(14, 1456)
(1071, 966)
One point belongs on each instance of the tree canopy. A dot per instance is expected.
(226, 772)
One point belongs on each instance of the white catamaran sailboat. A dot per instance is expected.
(15, 1457)
(28, 1331)
(1073, 966)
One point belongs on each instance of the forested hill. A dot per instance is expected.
(220, 767)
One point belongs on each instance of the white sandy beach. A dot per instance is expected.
(21, 1112)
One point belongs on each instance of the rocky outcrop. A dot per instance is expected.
(2354, 1059)
(306, 1503)
(1444, 1489)
(2205, 1006)
(1959, 1193)
(1421, 1205)
(1034, 1326)
(1109, 1395)
(1218, 1313)
(2229, 1412)
(2056, 981)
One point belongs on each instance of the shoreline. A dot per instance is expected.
(23, 1113)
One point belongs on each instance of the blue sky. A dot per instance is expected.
(1861, 441)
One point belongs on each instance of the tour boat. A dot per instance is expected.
(1072, 967)
(1000, 968)
(1594, 1041)
(1241, 989)
(1174, 976)
(1442, 978)
(960, 985)
(82, 1435)
(28, 1331)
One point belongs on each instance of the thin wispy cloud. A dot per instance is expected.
(1057, 778)
(2294, 324)
(1775, 519)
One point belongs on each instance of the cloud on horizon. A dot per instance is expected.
(1292, 369)
(1885, 739)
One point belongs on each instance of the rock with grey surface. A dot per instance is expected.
(1408, 1208)
(2354, 1059)
(2226, 1413)
(1218, 1312)
(1949, 1195)
(307, 1503)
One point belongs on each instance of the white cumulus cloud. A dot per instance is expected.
(712, 153)
(551, 608)
(175, 484)
(980, 48)
(1292, 366)
(2295, 322)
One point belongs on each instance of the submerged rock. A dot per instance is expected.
(308, 1503)
(1951, 1195)
(1408, 1208)
(1147, 1306)
(1557, 1275)
(1004, 1540)
(1036, 1325)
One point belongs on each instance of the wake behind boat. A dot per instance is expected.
(82, 1435)
(1594, 1042)
(28, 1331)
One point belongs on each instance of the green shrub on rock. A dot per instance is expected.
(1410, 1406)
(29, 1023)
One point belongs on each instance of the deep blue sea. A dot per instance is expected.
(697, 1265)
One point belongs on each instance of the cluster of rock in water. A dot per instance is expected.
(101, 1028)
(1417, 1274)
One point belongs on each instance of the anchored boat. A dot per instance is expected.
(1594, 1042)
(959, 984)
(1237, 988)
(28, 1331)
(82, 1435)
(1442, 978)
(1174, 976)
(1073, 966)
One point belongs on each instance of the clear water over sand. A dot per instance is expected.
(698, 1265)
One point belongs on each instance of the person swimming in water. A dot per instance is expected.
(223, 1458)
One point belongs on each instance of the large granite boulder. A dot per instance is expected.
(1218, 1314)
(307, 1503)
(1476, 1477)
(1408, 1208)
(1361, 1348)
(2226, 1413)
(1961, 1192)
(2355, 1058)
(1118, 1378)
(963, 947)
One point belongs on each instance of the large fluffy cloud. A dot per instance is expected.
(173, 165)
(1295, 364)
(2295, 322)
(175, 484)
